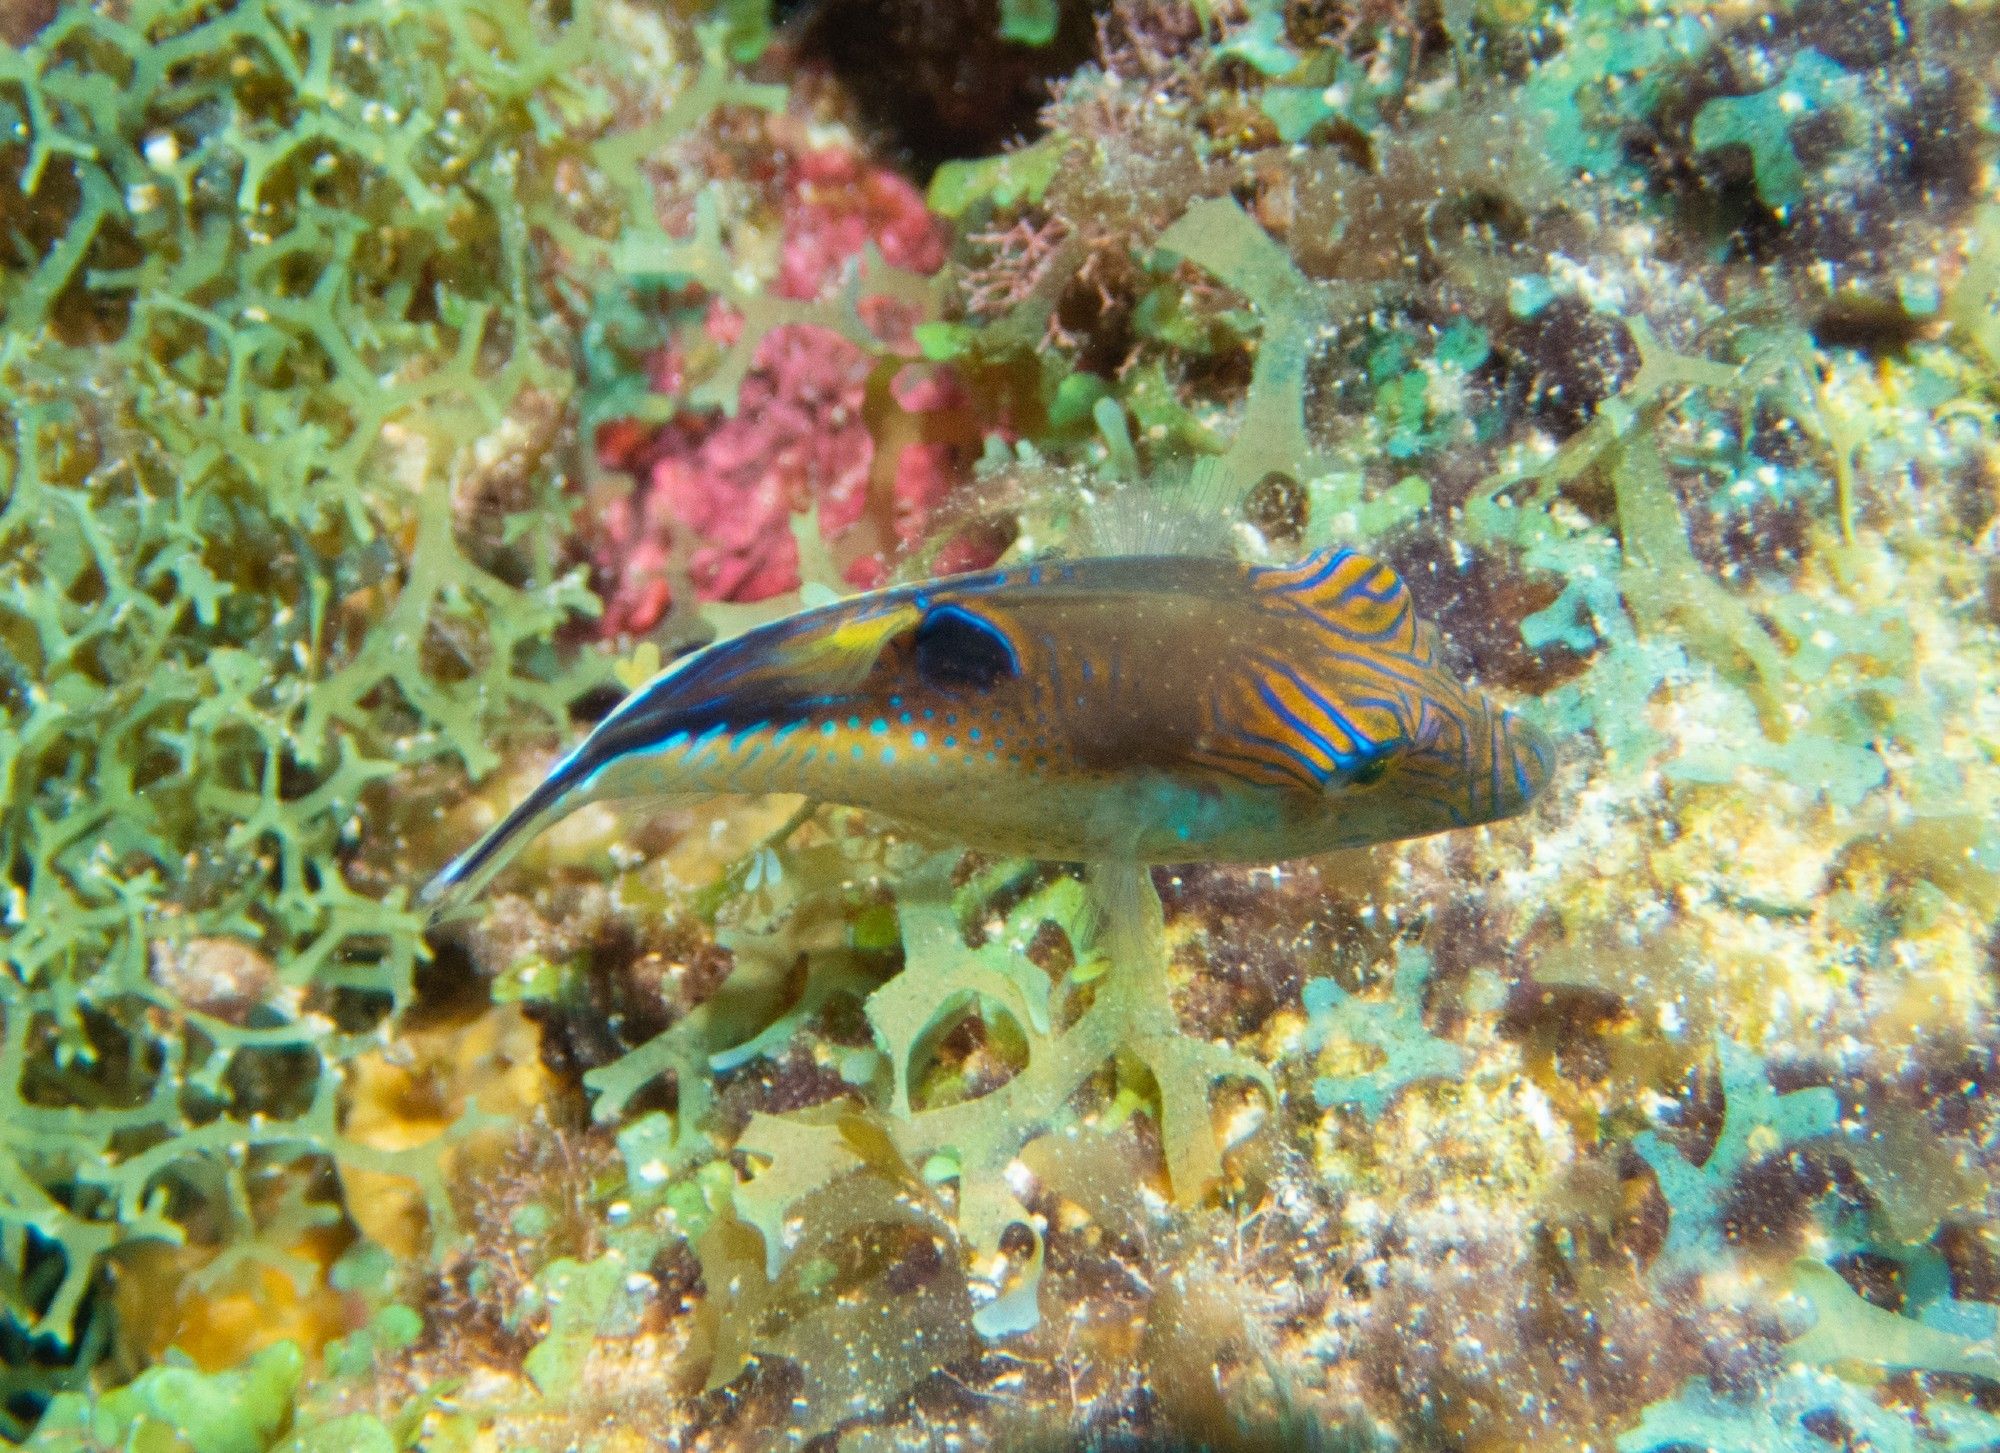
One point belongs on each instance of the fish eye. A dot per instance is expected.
(957, 650)
(1370, 771)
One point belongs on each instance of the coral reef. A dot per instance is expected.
(378, 371)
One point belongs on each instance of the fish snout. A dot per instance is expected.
(1528, 761)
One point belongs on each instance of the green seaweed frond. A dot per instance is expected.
(1393, 1029)
(1804, 1411)
(911, 1155)
(277, 524)
(1219, 237)
(1757, 1121)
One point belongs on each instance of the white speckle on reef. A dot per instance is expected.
(1244, 1121)
(1363, 1216)
(1020, 1179)
(1537, 1112)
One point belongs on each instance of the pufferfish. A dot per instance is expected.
(1150, 709)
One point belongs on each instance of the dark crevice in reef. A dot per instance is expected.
(936, 79)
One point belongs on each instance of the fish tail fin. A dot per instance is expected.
(465, 877)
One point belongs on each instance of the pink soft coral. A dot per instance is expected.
(726, 487)
(836, 205)
(798, 438)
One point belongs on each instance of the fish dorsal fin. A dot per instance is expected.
(1354, 594)
(1190, 514)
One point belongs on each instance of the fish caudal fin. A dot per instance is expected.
(465, 877)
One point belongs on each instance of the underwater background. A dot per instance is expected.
(391, 384)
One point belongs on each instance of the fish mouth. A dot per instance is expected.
(1528, 761)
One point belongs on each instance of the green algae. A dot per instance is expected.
(1614, 69)
(1394, 1029)
(1762, 122)
(859, 1335)
(356, 1433)
(579, 1296)
(800, 1250)
(1801, 1412)
(1658, 609)
(1756, 1122)
(1220, 237)
(422, 644)
(1022, 175)
(276, 270)
(180, 1410)
(1848, 1330)
(655, 259)
(1029, 22)
(917, 1161)
(249, 1409)
(1633, 596)
(1609, 520)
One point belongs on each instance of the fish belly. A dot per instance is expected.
(1149, 817)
